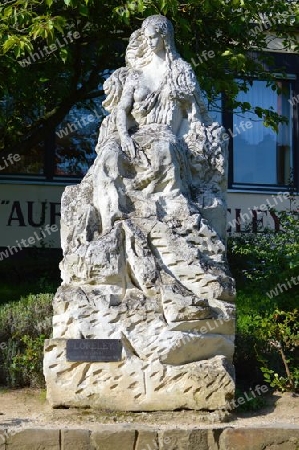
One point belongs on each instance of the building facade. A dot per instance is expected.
(263, 169)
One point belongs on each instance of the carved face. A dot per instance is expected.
(154, 39)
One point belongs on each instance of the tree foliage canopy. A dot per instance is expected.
(54, 53)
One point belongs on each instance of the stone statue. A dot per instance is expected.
(155, 106)
(143, 238)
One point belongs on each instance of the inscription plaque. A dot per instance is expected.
(93, 350)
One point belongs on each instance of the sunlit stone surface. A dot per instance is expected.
(143, 237)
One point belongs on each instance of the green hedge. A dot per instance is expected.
(24, 325)
(266, 268)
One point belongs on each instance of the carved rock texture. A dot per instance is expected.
(143, 238)
(136, 384)
(160, 283)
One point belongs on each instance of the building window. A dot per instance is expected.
(260, 156)
(29, 164)
(75, 142)
(66, 154)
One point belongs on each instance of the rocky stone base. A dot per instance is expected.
(144, 262)
(135, 384)
(130, 438)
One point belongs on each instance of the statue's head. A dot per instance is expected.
(138, 51)
(164, 28)
(161, 24)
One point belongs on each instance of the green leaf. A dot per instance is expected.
(7, 11)
(83, 9)
(163, 6)
(10, 43)
(140, 6)
(59, 27)
(59, 23)
(64, 54)
(17, 51)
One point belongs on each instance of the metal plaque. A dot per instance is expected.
(93, 350)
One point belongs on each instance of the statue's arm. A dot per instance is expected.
(124, 108)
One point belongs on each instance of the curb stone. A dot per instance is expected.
(126, 437)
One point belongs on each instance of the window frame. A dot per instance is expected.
(228, 118)
(290, 62)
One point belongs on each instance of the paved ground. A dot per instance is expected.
(26, 408)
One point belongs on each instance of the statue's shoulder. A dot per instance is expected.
(117, 80)
(184, 74)
(115, 84)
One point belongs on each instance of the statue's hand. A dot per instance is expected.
(128, 146)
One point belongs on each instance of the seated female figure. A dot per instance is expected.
(155, 103)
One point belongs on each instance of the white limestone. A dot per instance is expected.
(143, 238)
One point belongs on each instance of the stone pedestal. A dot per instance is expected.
(134, 384)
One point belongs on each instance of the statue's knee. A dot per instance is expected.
(164, 153)
(109, 161)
